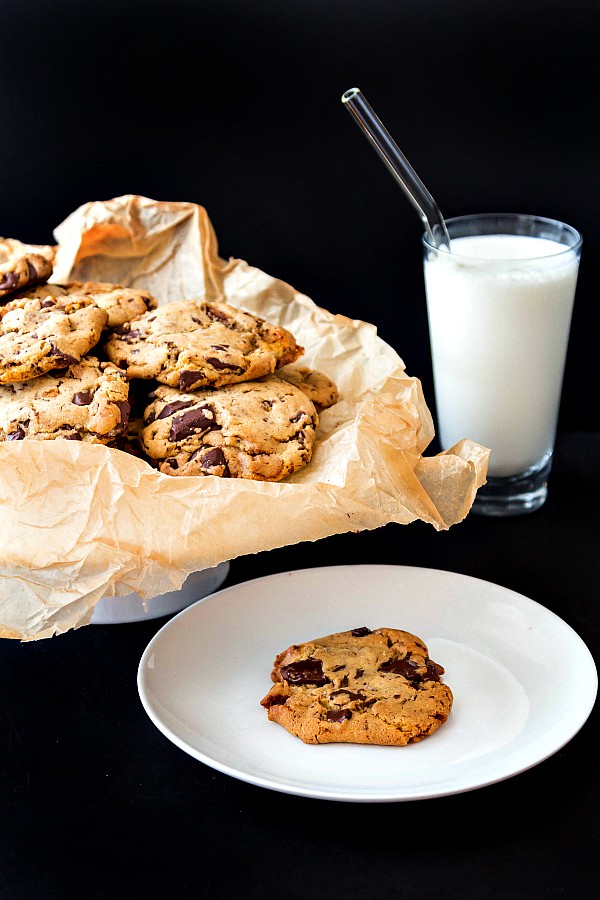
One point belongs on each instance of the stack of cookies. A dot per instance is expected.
(190, 386)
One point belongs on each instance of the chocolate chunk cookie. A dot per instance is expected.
(317, 386)
(22, 265)
(359, 687)
(37, 336)
(261, 430)
(121, 304)
(191, 344)
(87, 402)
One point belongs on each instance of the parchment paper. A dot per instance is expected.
(83, 521)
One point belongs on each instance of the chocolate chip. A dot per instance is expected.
(215, 459)
(219, 347)
(266, 404)
(130, 336)
(125, 409)
(338, 668)
(305, 671)
(191, 422)
(10, 281)
(17, 435)
(222, 366)
(62, 359)
(361, 632)
(344, 681)
(82, 398)
(297, 417)
(338, 715)
(359, 673)
(189, 378)
(434, 670)
(48, 302)
(407, 668)
(31, 271)
(172, 463)
(72, 437)
(216, 315)
(175, 406)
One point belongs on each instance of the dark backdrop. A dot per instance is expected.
(236, 105)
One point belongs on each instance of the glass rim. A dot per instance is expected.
(578, 237)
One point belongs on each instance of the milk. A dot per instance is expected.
(499, 309)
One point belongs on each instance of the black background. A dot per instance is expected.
(236, 105)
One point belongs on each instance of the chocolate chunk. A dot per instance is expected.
(338, 715)
(47, 303)
(130, 335)
(297, 417)
(407, 668)
(82, 398)
(214, 459)
(175, 406)
(62, 359)
(200, 419)
(172, 463)
(10, 281)
(17, 435)
(216, 315)
(434, 670)
(221, 366)
(361, 632)
(73, 437)
(359, 673)
(125, 409)
(188, 379)
(305, 671)
(31, 271)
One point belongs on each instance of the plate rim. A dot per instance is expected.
(371, 796)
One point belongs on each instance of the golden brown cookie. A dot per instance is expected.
(191, 344)
(22, 265)
(121, 304)
(318, 387)
(87, 402)
(359, 687)
(37, 336)
(262, 430)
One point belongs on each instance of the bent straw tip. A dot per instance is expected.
(348, 95)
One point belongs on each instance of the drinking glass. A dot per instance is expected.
(499, 309)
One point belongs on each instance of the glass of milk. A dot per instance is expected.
(499, 308)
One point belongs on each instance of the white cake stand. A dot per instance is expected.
(116, 610)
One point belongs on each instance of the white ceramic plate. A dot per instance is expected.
(523, 681)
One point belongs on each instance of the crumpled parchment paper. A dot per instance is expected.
(82, 521)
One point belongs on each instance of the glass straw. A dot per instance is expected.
(364, 115)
